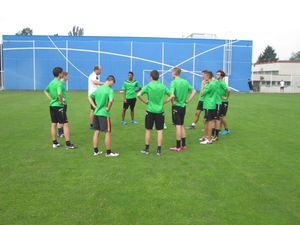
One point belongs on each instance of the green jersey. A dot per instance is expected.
(53, 88)
(101, 96)
(156, 92)
(218, 96)
(201, 98)
(210, 95)
(223, 90)
(62, 88)
(130, 88)
(180, 88)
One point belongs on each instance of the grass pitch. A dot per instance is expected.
(250, 177)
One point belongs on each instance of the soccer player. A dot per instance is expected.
(56, 93)
(60, 128)
(281, 86)
(102, 100)
(94, 82)
(198, 110)
(217, 121)
(156, 93)
(209, 92)
(224, 93)
(129, 88)
(180, 88)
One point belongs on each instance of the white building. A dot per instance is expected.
(266, 77)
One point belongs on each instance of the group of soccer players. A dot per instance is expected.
(213, 101)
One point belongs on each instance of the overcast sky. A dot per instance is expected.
(265, 22)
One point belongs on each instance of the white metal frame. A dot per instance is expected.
(1, 69)
(33, 62)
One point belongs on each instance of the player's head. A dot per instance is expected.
(97, 69)
(207, 75)
(65, 76)
(220, 74)
(111, 80)
(176, 71)
(130, 75)
(154, 75)
(57, 72)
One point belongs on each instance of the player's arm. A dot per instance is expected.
(140, 97)
(124, 96)
(110, 103)
(170, 99)
(228, 92)
(59, 95)
(192, 95)
(138, 86)
(47, 94)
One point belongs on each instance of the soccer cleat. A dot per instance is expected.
(98, 153)
(112, 154)
(225, 132)
(56, 145)
(134, 122)
(191, 127)
(158, 152)
(205, 142)
(146, 152)
(202, 139)
(175, 149)
(124, 123)
(62, 135)
(215, 139)
(70, 147)
(183, 147)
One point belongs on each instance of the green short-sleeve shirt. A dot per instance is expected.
(210, 95)
(156, 93)
(53, 88)
(130, 87)
(180, 88)
(101, 96)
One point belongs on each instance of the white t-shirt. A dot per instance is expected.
(281, 83)
(92, 86)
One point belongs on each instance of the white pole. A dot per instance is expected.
(162, 59)
(143, 78)
(99, 53)
(33, 55)
(292, 88)
(1, 69)
(67, 60)
(131, 54)
(194, 64)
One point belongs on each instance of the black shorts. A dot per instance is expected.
(157, 118)
(200, 106)
(223, 109)
(281, 88)
(102, 123)
(129, 102)
(210, 114)
(58, 114)
(218, 108)
(178, 115)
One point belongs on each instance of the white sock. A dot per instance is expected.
(193, 124)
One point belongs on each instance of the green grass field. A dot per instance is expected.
(250, 177)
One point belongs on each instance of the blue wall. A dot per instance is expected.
(83, 53)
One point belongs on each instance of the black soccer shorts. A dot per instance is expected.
(200, 106)
(157, 118)
(129, 103)
(102, 123)
(178, 115)
(58, 114)
(210, 114)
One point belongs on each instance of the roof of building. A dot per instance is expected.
(279, 61)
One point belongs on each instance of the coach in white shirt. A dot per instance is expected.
(94, 82)
(282, 86)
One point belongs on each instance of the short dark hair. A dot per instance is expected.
(176, 70)
(209, 73)
(111, 77)
(56, 71)
(154, 74)
(130, 72)
(97, 67)
(222, 73)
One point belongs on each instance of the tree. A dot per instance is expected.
(268, 55)
(25, 31)
(295, 56)
(76, 31)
